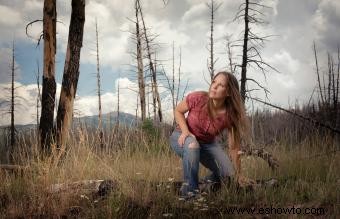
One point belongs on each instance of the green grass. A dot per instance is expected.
(308, 176)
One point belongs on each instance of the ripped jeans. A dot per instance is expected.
(211, 155)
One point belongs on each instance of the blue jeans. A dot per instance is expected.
(211, 155)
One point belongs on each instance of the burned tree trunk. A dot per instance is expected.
(172, 87)
(140, 67)
(244, 52)
(151, 65)
(49, 84)
(211, 66)
(118, 103)
(337, 121)
(172, 83)
(38, 96)
(230, 56)
(100, 125)
(250, 13)
(154, 103)
(12, 103)
(71, 71)
(318, 73)
(179, 75)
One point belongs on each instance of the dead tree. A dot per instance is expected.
(151, 65)
(172, 87)
(333, 92)
(230, 56)
(337, 92)
(154, 104)
(179, 77)
(118, 103)
(148, 101)
(71, 71)
(49, 84)
(171, 83)
(12, 102)
(136, 116)
(328, 94)
(329, 87)
(140, 67)
(154, 91)
(245, 51)
(250, 12)
(211, 64)
(100, 125)
(318, 73)
(38, 95)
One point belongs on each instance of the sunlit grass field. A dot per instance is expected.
(143, 166)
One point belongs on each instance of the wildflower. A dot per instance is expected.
(84, 196)
(190, 194)
(167, 215)
(201, 199)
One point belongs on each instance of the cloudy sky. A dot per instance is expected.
(293, 24)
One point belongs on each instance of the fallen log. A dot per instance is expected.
(94, 187)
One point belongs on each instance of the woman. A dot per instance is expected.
(210, 113)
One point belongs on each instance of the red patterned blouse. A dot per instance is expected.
(199, 123)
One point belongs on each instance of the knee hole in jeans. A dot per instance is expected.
(193, 144)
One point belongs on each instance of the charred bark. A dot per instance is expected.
(71, 71)
(12, 103)
(49, 84)
(100, 124)
(151, 66)
(250, 13)
(211, 66)
(244, 52)
(140, 67)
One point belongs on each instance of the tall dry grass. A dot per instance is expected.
(139, 160)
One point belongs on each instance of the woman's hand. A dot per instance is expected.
(183, 136)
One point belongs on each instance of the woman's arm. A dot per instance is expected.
(234, 148)
(180, 110)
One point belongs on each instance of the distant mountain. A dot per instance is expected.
(108, 119)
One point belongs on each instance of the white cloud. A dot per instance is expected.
(283, 60)
(5, 65)
(195, 15)
(9, 17)
(326, 21)
(25, 110)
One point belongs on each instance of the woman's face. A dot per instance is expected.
(218, 88)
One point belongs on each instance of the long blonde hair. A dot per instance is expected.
(235, 108)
